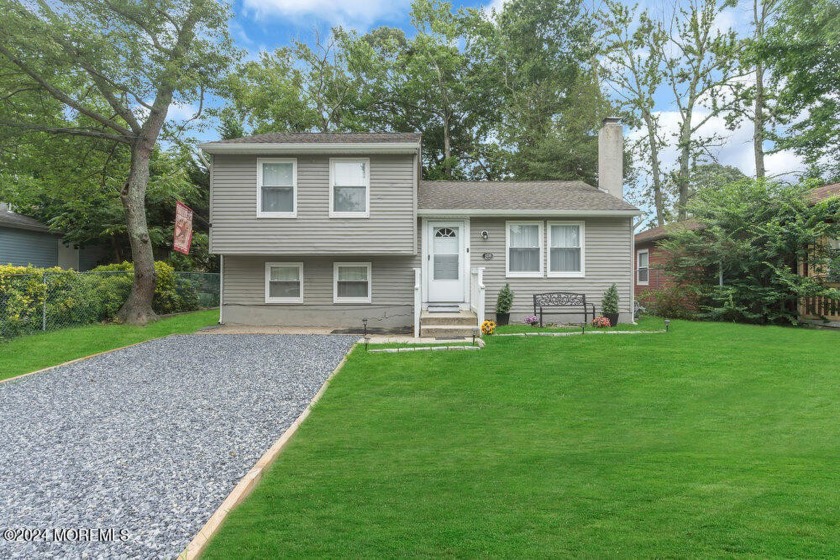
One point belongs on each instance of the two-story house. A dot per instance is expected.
(334, 229)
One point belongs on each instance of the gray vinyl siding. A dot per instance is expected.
(391, 303)
(608, 260)
(237, 230)
(22, 247)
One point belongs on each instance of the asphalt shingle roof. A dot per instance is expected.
(319, 138)
(823, 193)
(18, 221)
(661, 232)
(516, 195)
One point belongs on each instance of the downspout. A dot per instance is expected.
(221, 289)
(633, 271)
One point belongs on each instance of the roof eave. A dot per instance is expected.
(266, 148)
(529, 213)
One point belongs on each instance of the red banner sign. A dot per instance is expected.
(183, 228)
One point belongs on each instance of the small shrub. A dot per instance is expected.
(505, 300)
(609, 303)
(673, 302)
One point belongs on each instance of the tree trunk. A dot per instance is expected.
(758, 122)
(137, 309)
(447, 148)
(760, 9)
(685, 166)
(658, 198)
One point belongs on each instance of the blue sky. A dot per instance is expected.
(267, 24)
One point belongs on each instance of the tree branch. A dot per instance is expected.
(63, 97)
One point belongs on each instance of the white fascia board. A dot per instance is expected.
(529, 213)
(263, 148)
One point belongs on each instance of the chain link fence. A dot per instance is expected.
(52, 300)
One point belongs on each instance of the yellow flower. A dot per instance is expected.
(488, 327)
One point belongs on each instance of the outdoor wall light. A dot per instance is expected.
(485, 235)
(667, 324)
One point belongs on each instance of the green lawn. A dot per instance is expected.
(37, 351)
(714, 440)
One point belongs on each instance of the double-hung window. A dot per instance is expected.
(352, 282)
(566, 249)
(642, 267)
(283, 282)
(349, 188)
(276, 188)
(524, 249)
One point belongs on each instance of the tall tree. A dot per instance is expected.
(762, 12)
(699, 70)
(802, 52)
(116, 67)
(633, 47)
(534, 65)
(297, 88)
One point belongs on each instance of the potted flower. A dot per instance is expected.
(532, 320)
(503, 304)
(609, 305)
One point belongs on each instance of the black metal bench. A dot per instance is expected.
(545, 304)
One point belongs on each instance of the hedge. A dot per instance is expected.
(74, 298)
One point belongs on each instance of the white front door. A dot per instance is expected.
(446, 243)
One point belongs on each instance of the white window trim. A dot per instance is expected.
(540, 235)
(268, 298)
(576, 274)
(293, 213)
(366, 213)
(367, 299)
(638, 262)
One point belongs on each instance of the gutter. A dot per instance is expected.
(528, 212)
(265, 148)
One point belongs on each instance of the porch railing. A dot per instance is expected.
(418, 301)
(819, 308)
(477, 293)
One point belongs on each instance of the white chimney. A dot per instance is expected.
(611, 157)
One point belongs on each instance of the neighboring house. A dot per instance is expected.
(333, 229)
(25, 241)
(651, 258)
(821, 309)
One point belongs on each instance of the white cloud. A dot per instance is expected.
(179, 112)
(350, 12)
(735, 147)
(496, 5)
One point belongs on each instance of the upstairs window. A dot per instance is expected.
(642, 267)
(349, 188)
(566, 250)
(524, 249)
(276, 188)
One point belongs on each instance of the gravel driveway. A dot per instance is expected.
(146, 442)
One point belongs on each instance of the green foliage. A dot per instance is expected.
(80, 298)
(507, 95)
(172, 295)
(802, 51)
(755, 234)
(505, 300)
(609, 303)
(671, 302)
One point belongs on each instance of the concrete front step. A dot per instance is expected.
(460, 319)
(447, 331)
